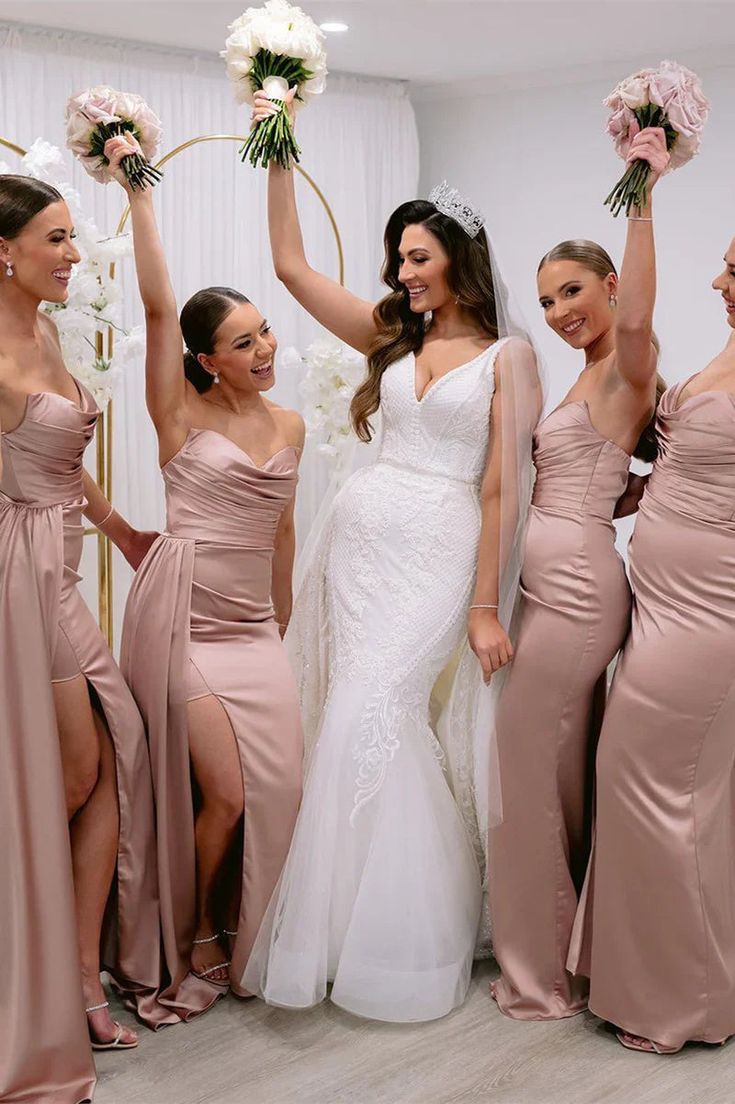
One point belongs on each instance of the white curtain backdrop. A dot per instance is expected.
(359, 143)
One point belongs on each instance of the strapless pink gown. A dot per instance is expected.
(199, 620)
(47, 632)
(573, 619)
(661, 909)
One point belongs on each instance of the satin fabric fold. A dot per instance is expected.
(45, 1054)
(57, 637)
(573, 618)
(199, 621)
(657, 929)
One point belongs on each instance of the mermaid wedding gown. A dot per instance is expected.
(381, 893)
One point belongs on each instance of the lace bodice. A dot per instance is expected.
(446, 432)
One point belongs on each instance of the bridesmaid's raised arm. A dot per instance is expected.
(166, 390)
(345, 315)
(635, 355)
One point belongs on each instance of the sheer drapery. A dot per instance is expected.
(359, 143)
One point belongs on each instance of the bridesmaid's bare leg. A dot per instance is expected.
(218, 773)
(88, 764)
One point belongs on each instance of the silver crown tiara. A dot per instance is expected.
(450, 202)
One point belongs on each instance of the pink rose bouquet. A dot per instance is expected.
(669, 97)
(100, 113)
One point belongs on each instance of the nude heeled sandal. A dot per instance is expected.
(113, 1044)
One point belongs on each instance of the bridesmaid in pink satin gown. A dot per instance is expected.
(658, 931)
(202, 644)
(72, 745)
(573, 617)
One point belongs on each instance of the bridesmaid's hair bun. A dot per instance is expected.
(200, 318)
(21, 199)
(598, 260)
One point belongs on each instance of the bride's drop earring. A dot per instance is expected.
(613, 300)
(215, 377)
(8, 269)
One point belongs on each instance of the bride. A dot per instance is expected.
(381, 893)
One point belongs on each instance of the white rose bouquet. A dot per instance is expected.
(100, 113)
(669, 97)
(276, 48)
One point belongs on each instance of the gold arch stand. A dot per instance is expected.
(106, 341)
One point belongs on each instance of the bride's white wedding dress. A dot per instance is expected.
(382, 889)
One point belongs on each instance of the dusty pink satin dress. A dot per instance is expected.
(573, 619)
(661, 902)
(199, 621)
(47, 632)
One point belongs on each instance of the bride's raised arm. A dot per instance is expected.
(166, 389)
(345, 315)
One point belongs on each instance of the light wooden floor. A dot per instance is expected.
(247, 1053)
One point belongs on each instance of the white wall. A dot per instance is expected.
(538, 163)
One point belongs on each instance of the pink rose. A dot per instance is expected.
(618, 127)
(678, 91)
(102, 104)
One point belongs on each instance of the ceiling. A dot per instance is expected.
(426, 42)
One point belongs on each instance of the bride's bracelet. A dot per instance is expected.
(638, 218)
(483, 605)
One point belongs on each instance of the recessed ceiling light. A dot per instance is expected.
(334, 28)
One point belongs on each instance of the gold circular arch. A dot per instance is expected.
(104, 429)
(241, 139)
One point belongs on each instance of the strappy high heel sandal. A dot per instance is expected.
(112, 1044)
(645, 1046)
(204, 975)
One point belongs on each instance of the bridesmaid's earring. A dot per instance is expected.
(8, 269)
(613, 301)
(215, 377)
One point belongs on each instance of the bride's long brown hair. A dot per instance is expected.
(401, 330)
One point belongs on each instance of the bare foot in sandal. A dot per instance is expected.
(208, 961)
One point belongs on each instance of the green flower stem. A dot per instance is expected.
(138, 170)
(273, 139)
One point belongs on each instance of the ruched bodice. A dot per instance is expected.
(215, 493)
(444, 433)
(695, 470)
(578, 470)
(42, 458)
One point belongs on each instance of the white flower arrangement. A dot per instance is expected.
(332, 374)
(94, 302)
(275, 48)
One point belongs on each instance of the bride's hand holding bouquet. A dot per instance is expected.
(266, 108)
(278, 49)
